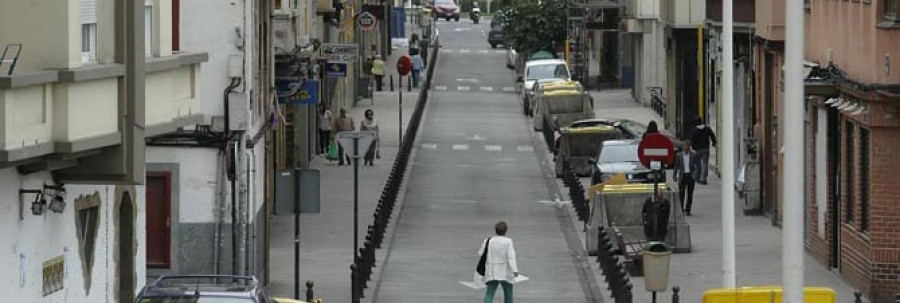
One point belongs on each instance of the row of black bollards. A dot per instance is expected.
(364, 261)
(576, 193)
(613, 269)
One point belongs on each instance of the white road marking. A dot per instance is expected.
(509, 89)
(460, 147)
(484, 51)
(523, 148)
(446, 50)
(465, 51)
(440, 87)
(493, 148)
(477, 137)
(429, 146)
(487, 89)
(498, 51)
(462, 88)
(465, 201)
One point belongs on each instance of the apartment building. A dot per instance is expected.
(93, 80)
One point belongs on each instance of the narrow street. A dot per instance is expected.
(477, 164)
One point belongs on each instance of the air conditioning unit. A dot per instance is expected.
(238, 112)
(283, 36)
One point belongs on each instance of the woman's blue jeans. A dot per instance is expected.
(415, 77)
(492, 288)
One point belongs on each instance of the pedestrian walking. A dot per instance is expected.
(369, 123)
(687, 170)
(414, 44)
(655, 215)
(702, 136)
(378, 71)
(498, 258)
(417, 66)
(651, 129)
(344, 123)
(326, 124)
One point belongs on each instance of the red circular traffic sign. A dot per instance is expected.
(656, 147)
(366, 21)
(404, 65)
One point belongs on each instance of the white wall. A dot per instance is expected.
(40, 238)
(197, 180)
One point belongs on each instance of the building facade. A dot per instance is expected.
(853, 135)
(93, 80)
(645, 36)
(684, 62)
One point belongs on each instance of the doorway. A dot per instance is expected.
(125, 248)
(159, 214)
(834, 164)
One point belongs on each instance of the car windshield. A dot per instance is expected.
(547, 72)
(192, 299)
(634, 127)
(619, 153)
(444, 2)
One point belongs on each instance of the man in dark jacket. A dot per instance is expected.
(656, 217)
(701, 137)
(687, 170)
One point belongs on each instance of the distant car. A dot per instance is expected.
(495, 36)
(511, 57)
(447, 9)
(619, 156)
(541, 70)
(203, 289)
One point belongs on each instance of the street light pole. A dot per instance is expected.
(354, 283)
(729, 274)
(400, 111)
(794, 147)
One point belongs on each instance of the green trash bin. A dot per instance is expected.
(656, 266)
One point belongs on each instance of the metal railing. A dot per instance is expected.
(364, 261)
(657, 100)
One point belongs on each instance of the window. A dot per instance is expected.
(890, 10)
(86, 225)
(848, 170)
(88, 16)
(148, 28)
(864, 179)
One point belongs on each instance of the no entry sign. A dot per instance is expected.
(366, 21)
(656, 147)
(404, 65)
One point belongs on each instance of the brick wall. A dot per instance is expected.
(817, 245)
(885, 214)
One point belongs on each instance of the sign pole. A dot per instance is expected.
(400, 111)
(297, 240)
(354, 283)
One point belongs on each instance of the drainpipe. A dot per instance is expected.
(227, 147)
(219, 211)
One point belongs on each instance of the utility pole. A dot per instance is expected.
(794, 147)
(729, 275)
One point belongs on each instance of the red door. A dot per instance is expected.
(159, 202)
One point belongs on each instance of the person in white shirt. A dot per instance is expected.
(500, 264)
(687, 171)
(325, 125)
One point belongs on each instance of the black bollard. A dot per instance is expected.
(309, 291)
(858, 296)
(675, 296)
(391, 79)
(409, 83)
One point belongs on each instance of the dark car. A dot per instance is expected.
(495, 36)
(619, 156)
(448, 9)
(631, 129)
(202, 289)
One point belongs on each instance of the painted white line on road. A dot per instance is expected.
(487, 89)
(523, 148)
(509, 89)
(484, 51)
(429, 146)
(465, 51)
(462, 88)
(440, 87)
(460, 147)
(498, 51)
(493, 148)
(446, 50)
(465, 201)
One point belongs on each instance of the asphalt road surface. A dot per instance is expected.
(479, 162)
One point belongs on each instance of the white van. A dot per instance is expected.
(542, 70)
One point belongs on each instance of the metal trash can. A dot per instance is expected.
(656, 266)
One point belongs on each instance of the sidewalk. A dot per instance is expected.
(758, 243)
(326, 239)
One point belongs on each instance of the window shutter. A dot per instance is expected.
(88, 11)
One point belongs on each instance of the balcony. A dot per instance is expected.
(643, 9)
(70, 111)
(684, 13)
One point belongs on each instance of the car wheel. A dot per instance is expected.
(457, 19)
(493, 45)
(448, 18)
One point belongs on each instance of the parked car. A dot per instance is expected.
(576, 145)
(511, 57)
(631, 129)
(203, 289)
(495, 36)
(447, 9)
(619, 156)
(541, 70)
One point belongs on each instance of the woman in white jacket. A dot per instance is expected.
(500, 264)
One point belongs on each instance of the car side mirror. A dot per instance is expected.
(519, 79)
